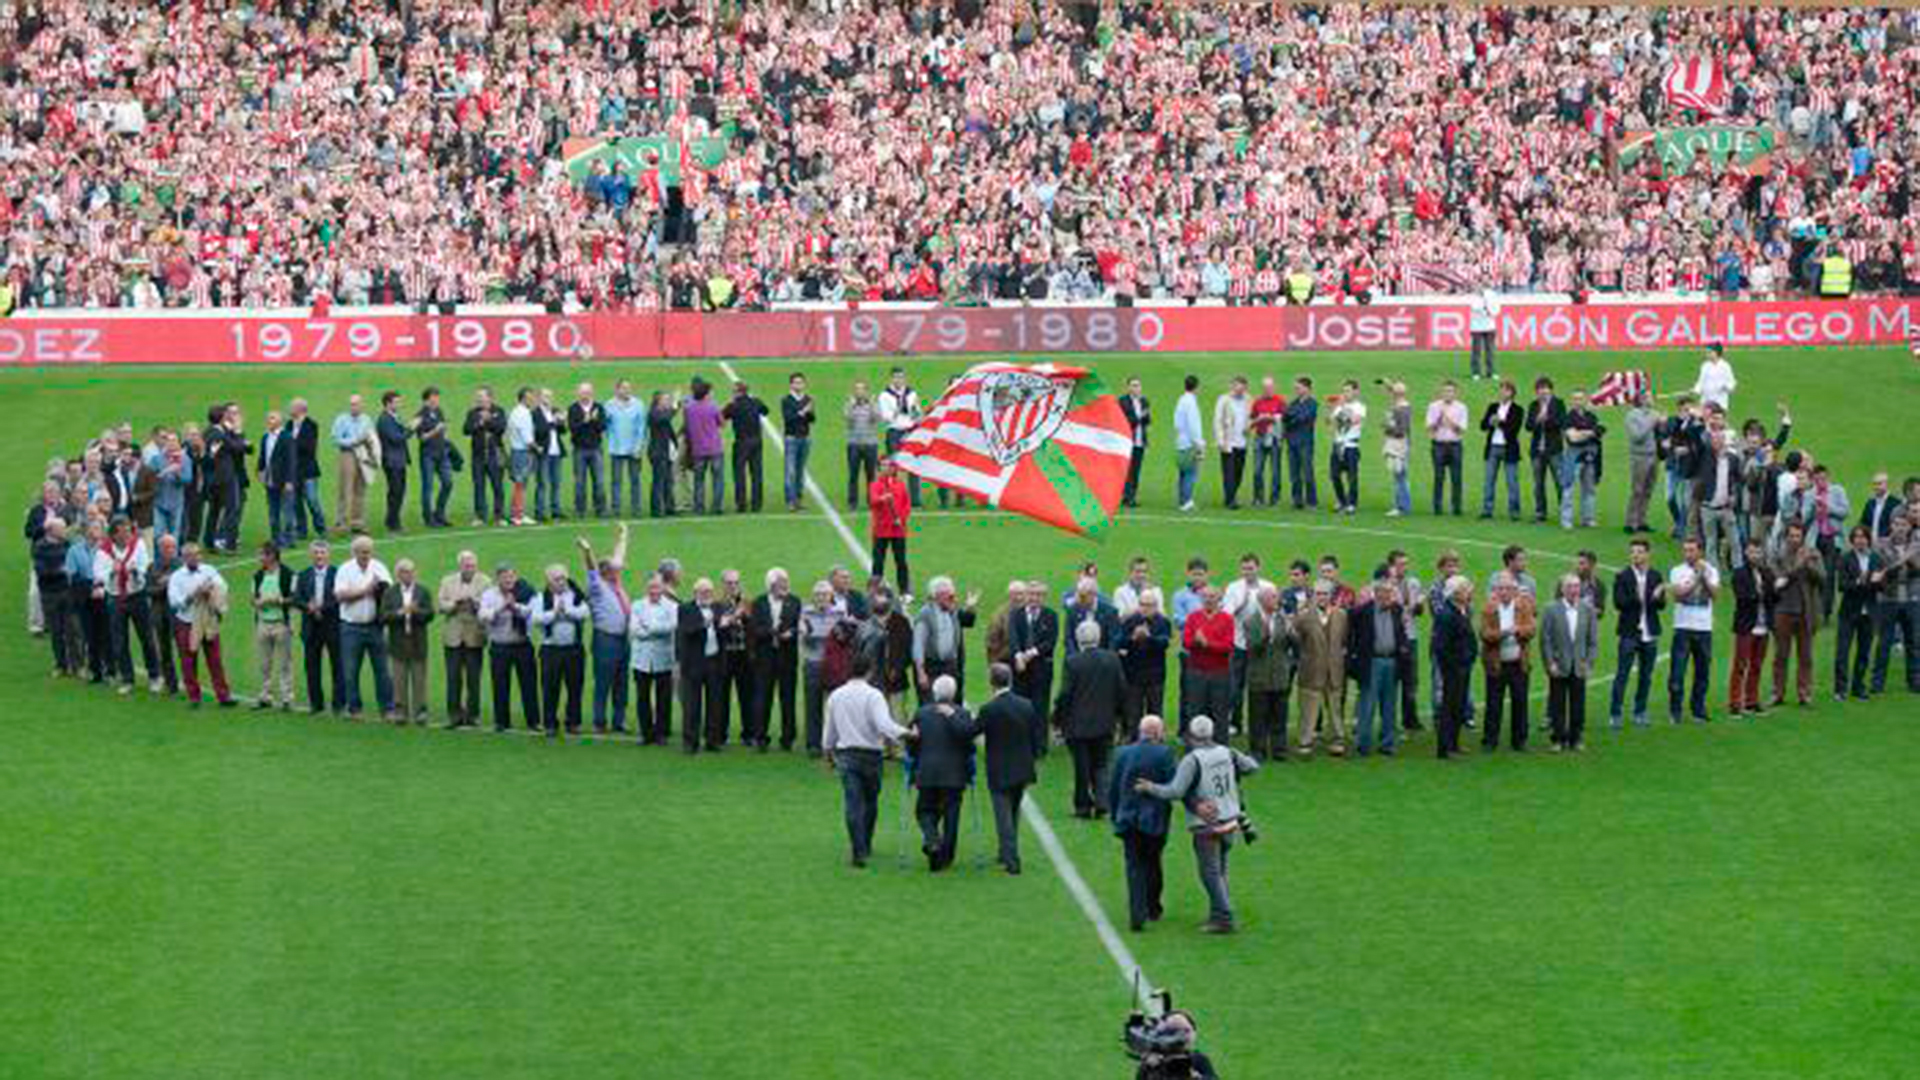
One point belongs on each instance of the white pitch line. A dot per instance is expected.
(1036, 818)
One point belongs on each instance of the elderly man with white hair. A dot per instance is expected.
(1091, 701)
(1455, 648)
(942, 734)
(939, 638)
(463, 640)
(1139, 819)
(773, 648)
(357, 587)
(1208, 781)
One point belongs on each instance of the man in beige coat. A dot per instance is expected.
(406, 609)
(1320, 629)
(463, 639)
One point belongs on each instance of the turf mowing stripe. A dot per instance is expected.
(1029, 809)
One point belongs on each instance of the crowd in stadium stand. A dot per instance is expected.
(270, 154)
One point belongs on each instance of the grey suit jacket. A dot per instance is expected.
(1569, 652)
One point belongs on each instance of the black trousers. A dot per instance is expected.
(463, 684)
(1006, 824)
(660, 494)
(1233, 463)
(1446, 475)
(1130, 495)
(1454, 684)
(938, 811)
(863, 464)
(1567, 709)
(937, 668)
(1144, 877)
(92, 616)
(56, 611)
(775, 678)
(736, 686)
(1089, 772)
(1853, 641)
(320, 654)
(702, 703)
(1506, 698)
(898, 545)
(507, 663)
(1409, 678)
(1267, 723)
(1143, 697)
(396, 493)
(748, 475)
(128, 621)
(488, 481)
(161, 622)
(653, 705)
(562, 667)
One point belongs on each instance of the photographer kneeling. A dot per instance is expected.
(1208, 780)
(1166, 1051)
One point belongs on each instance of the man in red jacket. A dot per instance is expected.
(888, 506)
(1208, 637)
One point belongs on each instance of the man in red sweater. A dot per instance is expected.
(888, 507)
(1208, 637)
(1264, 425)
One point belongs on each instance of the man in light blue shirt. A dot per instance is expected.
(626, 427)
(1189, 440)
(353, 437)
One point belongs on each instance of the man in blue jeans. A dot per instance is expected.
(796, 424)
(1639, 592)
(1376, 647)
(610, 609)
(1692, 587)
(1297, 423)
(357, 586)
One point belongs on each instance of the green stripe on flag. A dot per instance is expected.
(1073, 492)
(1086, 390)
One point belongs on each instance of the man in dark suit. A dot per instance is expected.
(1639, 592)
(436, 459)
(702, 669)
(1088, 606)
(1880, 510)
(1140, 820)
(1139, 413)
(304, 500)
(1861, 571)
(395, 454)
(1016, 737)
(1297, 423)
(1033, 630)
(773, 650)
(1455, 649)
(276, 475)
(942, 734)
(1092, 691)
(320, 630)
(132, 487)
(1547, 424)
(227, 450)
(587, 427)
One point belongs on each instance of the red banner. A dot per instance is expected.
(244, 339)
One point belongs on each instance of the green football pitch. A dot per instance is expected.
(232, 894)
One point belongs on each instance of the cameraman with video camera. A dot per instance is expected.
(1208, 779)
(1166, 1051)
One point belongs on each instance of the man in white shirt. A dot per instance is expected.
(1716, 382)
(357, 587)
(197, 598)
(859, 728)
(1189, 440)
(520, 453)
(1483, 313)
(1348, 417)
(1232, 411)
(1691, 588)
(1238, 598)
(899, 409)
(1126, 598)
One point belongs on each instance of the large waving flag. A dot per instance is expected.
(1699, 84)
(1043, 440)
(1620, 387)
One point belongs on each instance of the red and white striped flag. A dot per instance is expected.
(1697, 84)
(1620, 387)
(1044, 440)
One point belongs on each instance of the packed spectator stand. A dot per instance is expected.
(272, 154)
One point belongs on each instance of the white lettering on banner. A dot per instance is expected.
(1800, 326)
(1837, 326)
(1884, 323)
(51, 345)
(1141, 322)
(1766, 328)
(1342, 330)
(1643, 327)
(1447, 328)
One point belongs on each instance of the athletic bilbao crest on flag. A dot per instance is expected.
(1021, 410)
(1044, 440)
(1620, 387)
(1697, 84)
